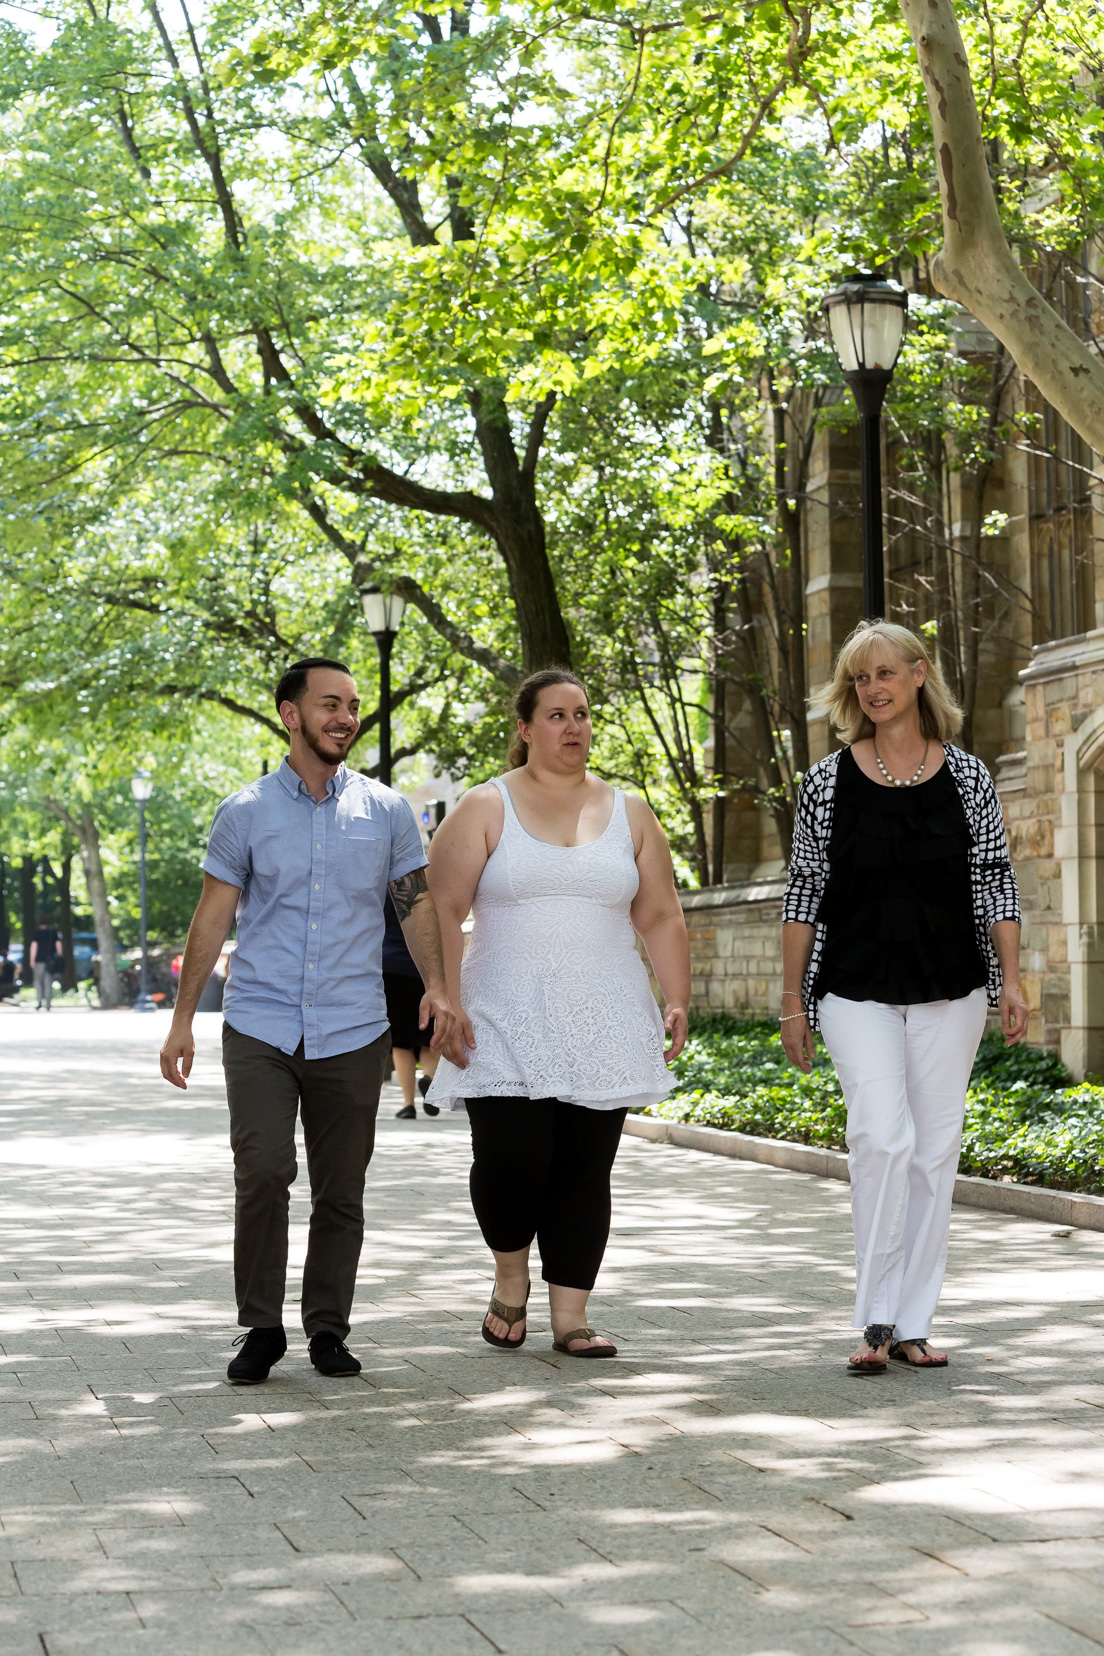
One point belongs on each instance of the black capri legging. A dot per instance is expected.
(541, 1168)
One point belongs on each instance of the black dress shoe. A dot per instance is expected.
(332, 1356)
(260, 1348)
(407, 1113)
(424, 1084)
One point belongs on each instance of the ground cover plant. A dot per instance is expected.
(1025, 1118)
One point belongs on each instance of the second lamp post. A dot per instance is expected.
(383, 612)
(866, 316)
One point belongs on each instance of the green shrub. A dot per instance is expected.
(1000, 1063)
(1025, 1120)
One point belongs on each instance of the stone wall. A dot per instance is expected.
(734, 947)
(1053, 797)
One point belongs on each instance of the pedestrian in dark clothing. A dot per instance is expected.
(302, 860)
(403, 987)
(44, 963)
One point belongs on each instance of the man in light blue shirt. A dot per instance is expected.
(302, 860)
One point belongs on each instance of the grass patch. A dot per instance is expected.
(1025, 1119)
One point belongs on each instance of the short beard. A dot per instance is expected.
(314, 740)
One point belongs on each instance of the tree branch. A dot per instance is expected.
(56, 808)
(800, 26)
(193, 693)
(362, 572)
(209, 152)
(462, 642)
(537, 427)
(976, 266)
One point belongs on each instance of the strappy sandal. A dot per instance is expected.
(564, 1345)
(509, 1314)
(900, 1355)
(875, 1335)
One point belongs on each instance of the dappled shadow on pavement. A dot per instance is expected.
(723, 1486)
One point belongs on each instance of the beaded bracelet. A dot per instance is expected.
(790, 1016)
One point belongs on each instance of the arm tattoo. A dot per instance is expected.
(408, 892)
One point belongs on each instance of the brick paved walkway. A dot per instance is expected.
(725, 1487)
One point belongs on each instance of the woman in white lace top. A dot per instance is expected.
(562, 873)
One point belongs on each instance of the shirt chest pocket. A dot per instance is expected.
(363, 856)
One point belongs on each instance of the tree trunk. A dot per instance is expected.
(88, 838)
(720, 756)
(5, 924)
(976, 266)
(27, 898)
(970, 602)
(111, 989)
(520, 535)
(517, 524)
(791, 620)
(65, 903)
(767, 755)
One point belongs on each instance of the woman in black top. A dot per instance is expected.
(901, 921)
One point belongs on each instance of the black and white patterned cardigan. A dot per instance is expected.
(996, 895)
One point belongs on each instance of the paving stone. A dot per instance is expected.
(587, 1627)
(214, 1614)
(405, 1636)
(156, 1641)
(79, 1613)
(724, 1486)
(213, 1541)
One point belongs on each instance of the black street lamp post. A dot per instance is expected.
(383, 612)
(141, 786)
(866, 317)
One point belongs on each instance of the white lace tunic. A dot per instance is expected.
(557, 995)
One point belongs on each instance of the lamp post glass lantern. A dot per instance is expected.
(383, 612)
(866, 319)
(141, 786)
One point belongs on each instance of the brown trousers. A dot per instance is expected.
(338, 1097)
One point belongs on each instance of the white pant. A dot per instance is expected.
(904, 1071)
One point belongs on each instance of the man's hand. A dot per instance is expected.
(179, 1048)
(1013, 1013)
(676, 1022)
(452, 1031)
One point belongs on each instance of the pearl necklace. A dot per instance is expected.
(897, 781)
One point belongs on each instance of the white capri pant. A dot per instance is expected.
(904, 1071)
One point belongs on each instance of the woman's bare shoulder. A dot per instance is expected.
(644, 826)
(483, 800)
(639, 810)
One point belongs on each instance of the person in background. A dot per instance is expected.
(404, 989)
(44, 963)
(9, 988)
(302, 860)
(901, 921)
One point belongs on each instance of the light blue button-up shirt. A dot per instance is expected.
(313, 879)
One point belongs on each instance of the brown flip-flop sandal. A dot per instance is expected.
(900, 1355)
(564, 1345)
(510, 1314)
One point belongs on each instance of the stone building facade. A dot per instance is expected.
(1037, 563)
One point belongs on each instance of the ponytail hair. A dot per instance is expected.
(524, 705)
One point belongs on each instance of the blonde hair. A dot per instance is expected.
(940, 714)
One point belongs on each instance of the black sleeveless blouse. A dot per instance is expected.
(897, 910)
